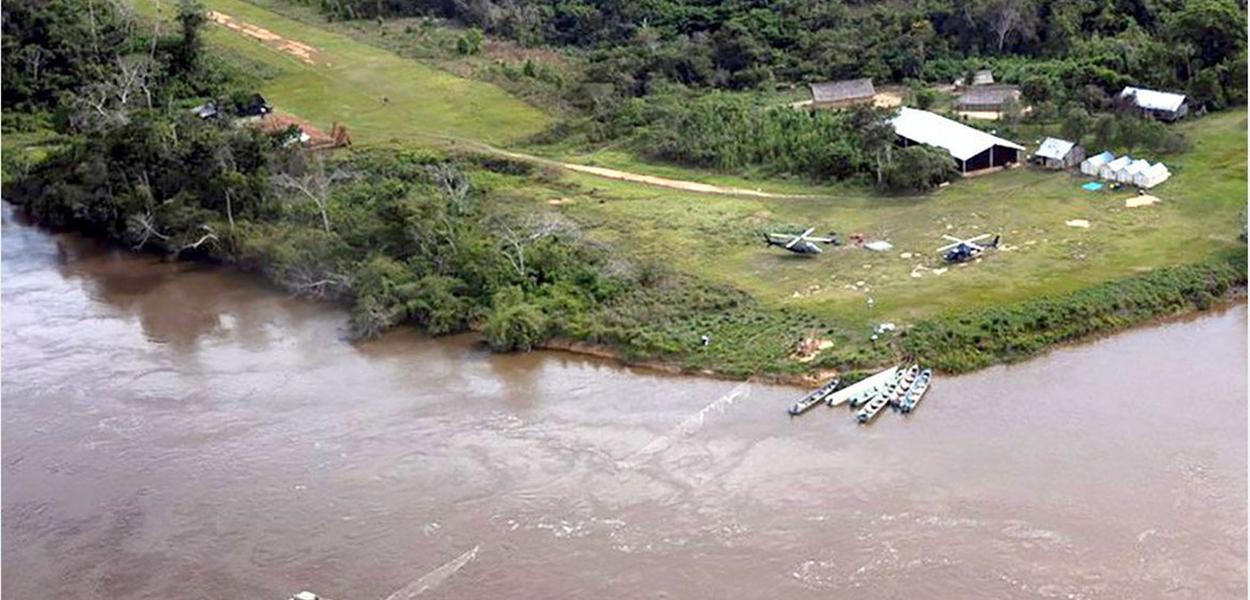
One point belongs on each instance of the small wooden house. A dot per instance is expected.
(983, 77)
(841, 94)
(987, 98)
(1055, 153)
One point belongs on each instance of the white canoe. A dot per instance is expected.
(863, 386)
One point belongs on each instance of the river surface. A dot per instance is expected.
(179, 431)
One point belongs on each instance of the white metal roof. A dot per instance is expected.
(1099, 160)
(962, 141)
(1153, 100)
(1054, 148)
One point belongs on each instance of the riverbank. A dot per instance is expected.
(404, 234)
(1233, 297)
(664, 337)
(137, 392)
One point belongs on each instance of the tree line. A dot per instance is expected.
(1189, 45)
(733, 132)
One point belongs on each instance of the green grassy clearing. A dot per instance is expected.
(350, 80)
(718, 238)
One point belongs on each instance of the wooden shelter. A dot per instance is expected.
(1164, 106)
(841, 94)
(1055, 153)
(971, 148)
(987, 98)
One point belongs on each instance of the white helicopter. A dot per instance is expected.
(964, 250)
(802, 243)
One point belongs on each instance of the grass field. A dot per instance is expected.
(349, 81)
(719, 238)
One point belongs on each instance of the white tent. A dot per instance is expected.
(1151, 176)
(1125, 175)
(1091, 165)
(1108, 170)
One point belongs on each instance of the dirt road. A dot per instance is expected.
(676, 184)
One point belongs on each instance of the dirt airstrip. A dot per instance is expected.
(300, 50)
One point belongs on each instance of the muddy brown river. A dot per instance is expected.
(179, 431)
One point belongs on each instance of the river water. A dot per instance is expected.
(178, 431)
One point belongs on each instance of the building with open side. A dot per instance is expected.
(1164, 106)
(972, 149)
(842, 94)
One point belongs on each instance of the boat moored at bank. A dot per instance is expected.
(814, 397)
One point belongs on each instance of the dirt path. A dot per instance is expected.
(676, 184)
(300, 50)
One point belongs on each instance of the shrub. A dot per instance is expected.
(513, 323)
(919, 169)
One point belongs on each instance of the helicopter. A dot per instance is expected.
(964, 250)
(802, 243)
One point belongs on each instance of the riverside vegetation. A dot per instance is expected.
(411, 233)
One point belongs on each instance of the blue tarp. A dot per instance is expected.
(1093, 186)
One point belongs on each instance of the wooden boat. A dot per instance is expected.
(917, 391)
(905, 381)
(874, 406)
(814, 397)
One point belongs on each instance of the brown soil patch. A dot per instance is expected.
(809, 349)
(887, 99)
(302, 51)
(274, 123)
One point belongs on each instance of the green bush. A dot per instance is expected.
(514, 324)
(963, 342)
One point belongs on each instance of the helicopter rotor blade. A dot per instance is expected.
(800, 237)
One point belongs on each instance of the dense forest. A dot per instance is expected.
(1193, 45)
(646, 68)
